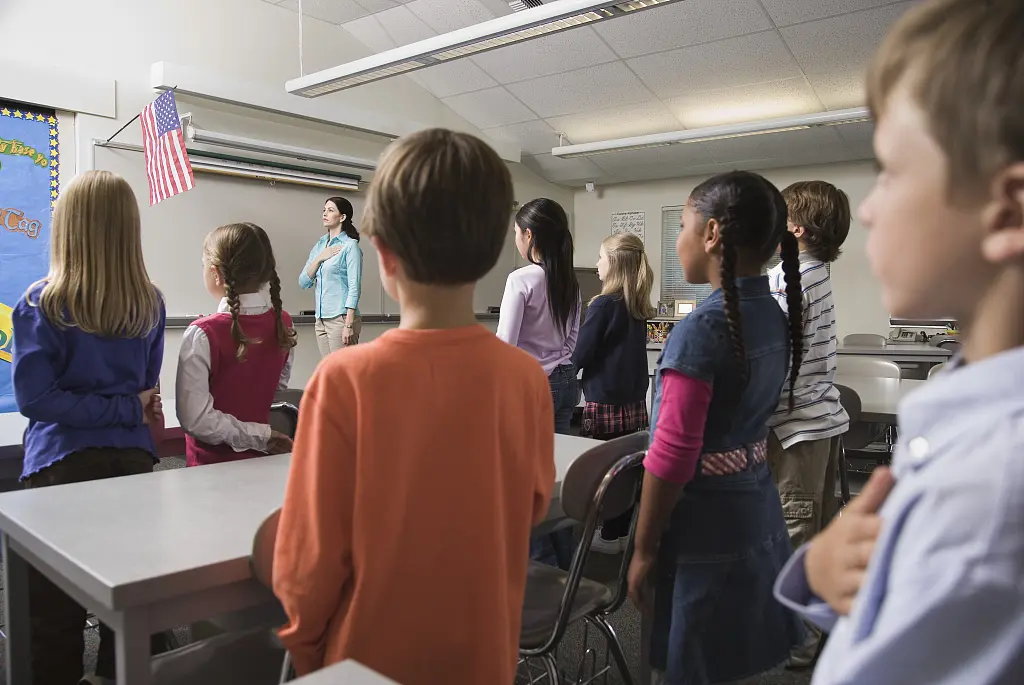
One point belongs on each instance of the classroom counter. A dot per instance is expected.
(309, 320)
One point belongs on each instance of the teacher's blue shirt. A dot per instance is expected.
(336, 286)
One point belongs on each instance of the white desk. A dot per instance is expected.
(12, 426)
(346, 673)
(879, 397)
(899, 352)
(150, 552)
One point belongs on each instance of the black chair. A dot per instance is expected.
(855, 438)
(284, 418)
(601, 484)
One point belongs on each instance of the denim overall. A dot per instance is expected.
(715, 616)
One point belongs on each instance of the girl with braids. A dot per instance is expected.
(612, 353)
(334, 271)
(540, 314)
(231, 363)
(711, 537)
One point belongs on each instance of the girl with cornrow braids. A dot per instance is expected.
(711, 536)
(231, 363)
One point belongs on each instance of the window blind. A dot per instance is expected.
(673, 281)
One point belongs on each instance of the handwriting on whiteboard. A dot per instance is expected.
(629, 222)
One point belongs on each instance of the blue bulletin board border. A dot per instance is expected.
(19, 112)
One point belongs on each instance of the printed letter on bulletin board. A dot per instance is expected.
(629, 222)
(28, 191)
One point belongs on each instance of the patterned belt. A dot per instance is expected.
(733, 461)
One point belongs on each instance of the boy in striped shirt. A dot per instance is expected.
(800, 447)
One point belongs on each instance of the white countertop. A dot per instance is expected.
(165, 534)
(896, 350)
(879, 397)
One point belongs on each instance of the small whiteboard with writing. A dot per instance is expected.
(629, 222)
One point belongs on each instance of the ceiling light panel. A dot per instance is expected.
(489, 35)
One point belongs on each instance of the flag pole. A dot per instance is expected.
(130, 122)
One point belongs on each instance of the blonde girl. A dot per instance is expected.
(89, 342)
(612, 353)
(231, 363)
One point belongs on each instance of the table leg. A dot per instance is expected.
(18, 649)
(133, 649)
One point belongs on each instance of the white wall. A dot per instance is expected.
(246, 39)
(857, 293)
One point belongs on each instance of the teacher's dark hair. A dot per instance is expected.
(551, 248)
(345, 207)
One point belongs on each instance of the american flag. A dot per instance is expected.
(167, 162)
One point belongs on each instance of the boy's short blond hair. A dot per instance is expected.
(963, 61)
(823, 211)
(442, 202)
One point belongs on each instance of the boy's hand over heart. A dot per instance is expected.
(837, 558)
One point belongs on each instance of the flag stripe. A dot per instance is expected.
(167, 165)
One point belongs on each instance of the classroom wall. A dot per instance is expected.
(246, 39)
(856, 291)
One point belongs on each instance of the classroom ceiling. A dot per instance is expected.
(689, 64)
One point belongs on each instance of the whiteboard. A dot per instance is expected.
(173, 233)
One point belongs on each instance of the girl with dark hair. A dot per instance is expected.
(540, 311)
(335, 269)
(710, 519)
(540, 314)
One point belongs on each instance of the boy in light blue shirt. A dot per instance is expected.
(925, 584)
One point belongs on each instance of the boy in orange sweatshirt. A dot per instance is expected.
(424, 458)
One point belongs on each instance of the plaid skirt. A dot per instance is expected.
(607, 420)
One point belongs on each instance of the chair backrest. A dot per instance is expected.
(289, 395)
(603, 482)
(262, 559)
(935, 369)
(284, 418)
(871, 367)
(872, 339)
(850, 400)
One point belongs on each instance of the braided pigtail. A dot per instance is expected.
(285, 336)
(731, 303)
(231, 294)
(794, 306)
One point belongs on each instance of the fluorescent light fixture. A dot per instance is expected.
(709, 133)
(252, 145)
(471, 40)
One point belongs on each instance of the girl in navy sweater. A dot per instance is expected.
(612, 353)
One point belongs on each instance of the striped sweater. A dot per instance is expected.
(817, 413)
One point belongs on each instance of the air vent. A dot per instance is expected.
(520, 5)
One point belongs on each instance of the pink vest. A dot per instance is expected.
(243, 389)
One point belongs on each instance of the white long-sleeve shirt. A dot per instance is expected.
(193, 400)
(525, 320)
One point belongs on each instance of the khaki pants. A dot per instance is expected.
(329, 333)
(805, 474)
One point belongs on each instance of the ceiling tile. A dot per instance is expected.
(840, 90)
(292, 5)
(558, 170)
(374, 6)
(820, 145)
(551, 54)
(448, 15)
(841, 44)
(661, 171)
(745, 103)
(489, 108)
(682, 24)
(732, 62)
(579, 91)
(403, 26)
(534, 137)
(786, 12)
(858, 139)
(333, 11)
(370, 33)
(616, 122)
(453, 78)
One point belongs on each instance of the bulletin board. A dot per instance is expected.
(29, 185)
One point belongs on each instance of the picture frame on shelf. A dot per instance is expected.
(666, 309)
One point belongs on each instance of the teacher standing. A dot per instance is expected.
(334, 271)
